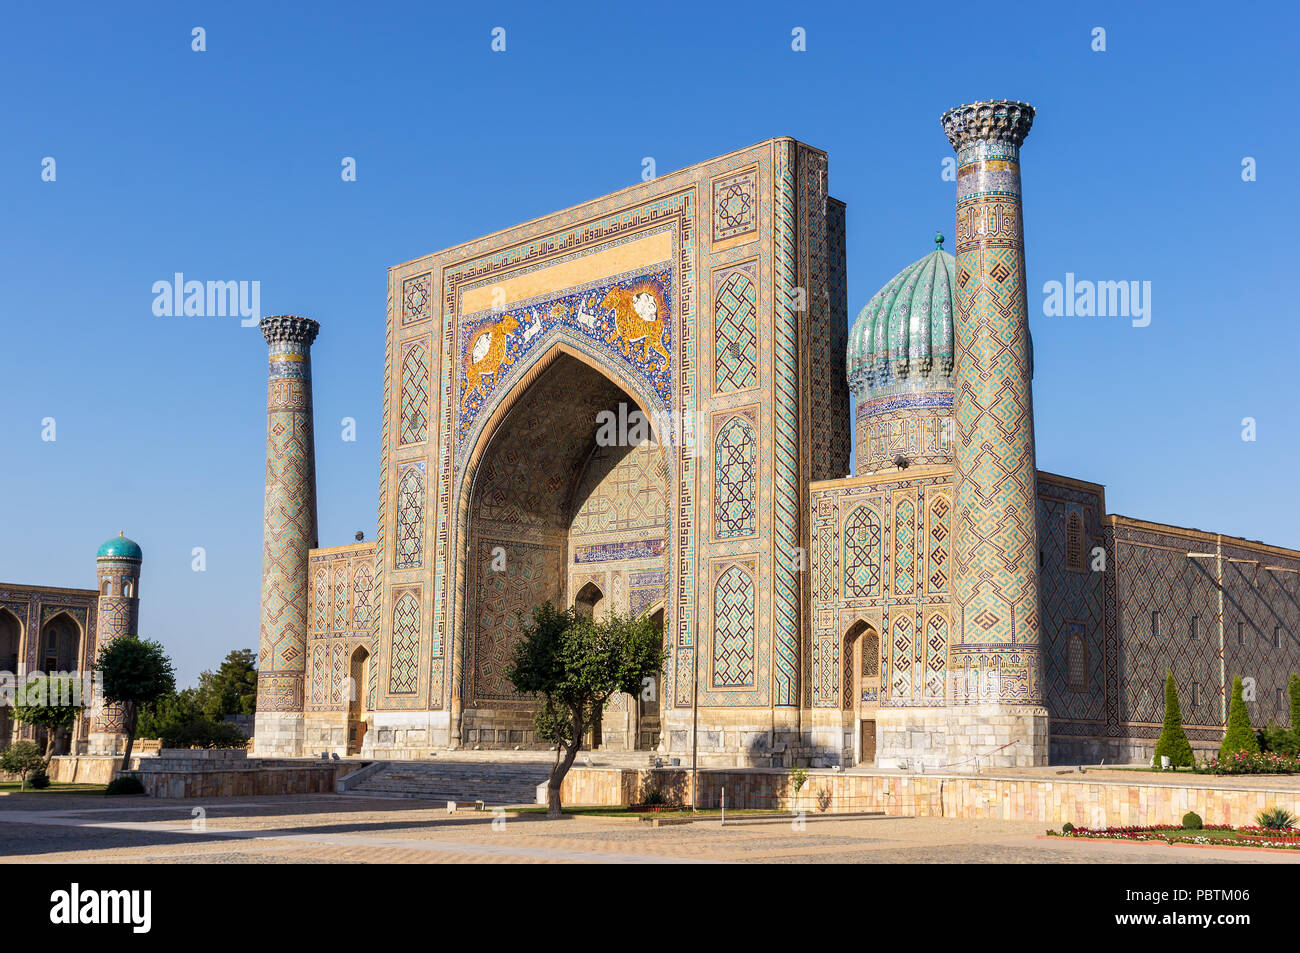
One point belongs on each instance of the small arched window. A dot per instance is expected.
(127, 588)
(1074, 542)
(108, 587)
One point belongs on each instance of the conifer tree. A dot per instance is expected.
(1239, 736)
(1173, 740)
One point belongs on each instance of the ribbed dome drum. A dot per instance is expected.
(900, 366)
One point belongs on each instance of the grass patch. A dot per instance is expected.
(56, 787)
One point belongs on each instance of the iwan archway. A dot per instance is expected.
(555, 510)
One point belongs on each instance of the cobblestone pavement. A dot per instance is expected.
(38, 828)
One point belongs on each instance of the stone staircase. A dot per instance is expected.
(497, 783)
(495, 778)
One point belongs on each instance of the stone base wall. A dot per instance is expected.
(254, 780)
(278, 734)
(961, 738)
(398, 735)
(105, 744)
(1067, 749)
(87, 769)
(325, 732)
(1052, 803)
(763, 738)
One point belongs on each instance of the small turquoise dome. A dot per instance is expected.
(119, 547)
(903, 338)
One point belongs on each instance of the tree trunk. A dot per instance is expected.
(130, 734)
(560, 769)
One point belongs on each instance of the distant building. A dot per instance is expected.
(53, 630)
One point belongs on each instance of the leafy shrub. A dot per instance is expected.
(38, 780)
(1279, 740)
(1067, 827)
(1192, 821)
(124, 784)
(653, 798)
(1275, 818)
(22, 758)
(798, 778)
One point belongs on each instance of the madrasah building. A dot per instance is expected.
(946, 606)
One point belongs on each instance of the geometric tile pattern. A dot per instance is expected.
(735, 334)
(530, 577)
(289, 521)
(404, 671)
(735, 205)
(410, 517)
(996, 552)
(788, 496)
(362, 593)
(862, 553)
(415, 394)
(735, 481)
(340, 600)
(417, 299)
(733, 629)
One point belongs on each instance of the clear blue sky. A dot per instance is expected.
(225, 165)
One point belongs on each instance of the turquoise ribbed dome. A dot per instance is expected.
(903, 338)
(119, 547)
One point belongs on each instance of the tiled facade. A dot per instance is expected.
(945, 605)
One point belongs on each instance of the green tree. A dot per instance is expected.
(1239, 736)
(22, 758)
(136, 672)
(1173, 740)
(49, 702)
(1293, 689)
(231, 689)
(575, 664)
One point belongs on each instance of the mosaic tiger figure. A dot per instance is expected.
(637, 317)
(486, 354)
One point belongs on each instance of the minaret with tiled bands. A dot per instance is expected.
(995, 668)
(289, 532)
(117, 614)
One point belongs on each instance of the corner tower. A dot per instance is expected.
(995, 665)
(289, 531)
(117, 577)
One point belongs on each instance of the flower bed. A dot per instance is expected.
(1251, 763)
(1221, 835)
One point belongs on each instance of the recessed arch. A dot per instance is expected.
(588, 600)
(511, 409)
(60, 643)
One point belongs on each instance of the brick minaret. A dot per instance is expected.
(994, 658)
(117, 577)
(289, 531)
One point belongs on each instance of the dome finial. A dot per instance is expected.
(938, 241)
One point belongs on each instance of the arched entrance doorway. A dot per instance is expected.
(588, 601)
(60, 652)
(359, 681)
(861, 669)
(10, 640)
(568, 502)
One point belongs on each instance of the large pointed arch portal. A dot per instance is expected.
(554, 510)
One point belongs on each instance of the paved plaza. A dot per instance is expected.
(40, 828)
